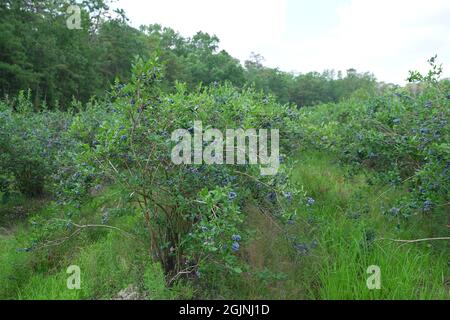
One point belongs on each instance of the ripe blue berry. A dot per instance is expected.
(288, 196)
(302, 248)
(424, 130)
(427, 206)
(272, 197)
(236, 238)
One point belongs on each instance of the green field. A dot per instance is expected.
(111, 189)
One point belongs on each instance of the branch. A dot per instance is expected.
(186, 271)
(80, 228)
(416, 240)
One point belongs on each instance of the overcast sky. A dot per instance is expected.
(386, 37)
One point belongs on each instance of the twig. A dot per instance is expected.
(269, 216)
(80, 228)
(58, 242)
(186, 271)
(7, 232)
(107, 227)
(257, 180)
(416, 240)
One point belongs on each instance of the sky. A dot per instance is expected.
(385, 37)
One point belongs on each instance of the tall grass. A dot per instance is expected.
(109, 262)
(348, 223)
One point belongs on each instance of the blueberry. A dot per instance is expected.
(310, 202)
(427, 206)
(448, 96)
(124, 138)
(288, 196)
(105, 218)
(395, 211)
(370, 236)
(235, 246)
(232, 195)
(272, 196)
(424, 130)
(204, 229)
(396, 121)
(236, 238)
(301, 247)
(165, 134)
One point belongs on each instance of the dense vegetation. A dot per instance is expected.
(39, 52)
(86, 176)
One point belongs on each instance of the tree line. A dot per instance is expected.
(39, 53)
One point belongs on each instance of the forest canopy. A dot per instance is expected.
(56, 63)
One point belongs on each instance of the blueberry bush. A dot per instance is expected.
(29, 145)
(402, 135)
(193, 214)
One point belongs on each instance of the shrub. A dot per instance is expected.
(403, 136)
(191, 212)
(29, 143)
